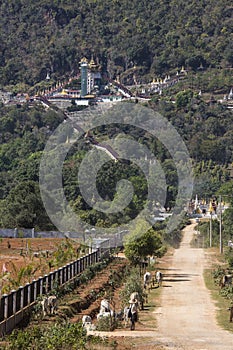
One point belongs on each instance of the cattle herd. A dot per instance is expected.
(129, 314)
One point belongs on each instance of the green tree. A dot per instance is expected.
(139, 245)
(183, 98)
(23, 207)
(228, 224)
(226, 190)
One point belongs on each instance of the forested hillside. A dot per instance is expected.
(24, 131)
(156, 36)
(153, 38)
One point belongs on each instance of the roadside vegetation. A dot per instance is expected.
(223, 298)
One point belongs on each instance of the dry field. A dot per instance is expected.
(33, 254)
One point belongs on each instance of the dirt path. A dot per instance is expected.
(186, 318)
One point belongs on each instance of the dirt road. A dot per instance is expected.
(186, 318)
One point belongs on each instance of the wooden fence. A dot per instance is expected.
(17, 304)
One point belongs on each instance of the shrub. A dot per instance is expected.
(133, 284)
(229, 257)
(65, 336)
(106, 324)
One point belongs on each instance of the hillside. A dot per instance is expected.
(150, 39)
(155, 36)
(24, 131)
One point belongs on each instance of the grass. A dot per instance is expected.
(221, 303)
(147, 316)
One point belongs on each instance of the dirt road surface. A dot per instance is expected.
(186, 318)
(187, 315)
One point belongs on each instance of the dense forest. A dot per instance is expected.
(155, 36)
(25, 130)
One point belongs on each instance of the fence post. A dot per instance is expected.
(21, 296)
(85, 262)
(55, 278)
(40, 280)
(75, 267)
(98, 254)
(65, 274)
(72, 270)
(68, 272)
(46, 283)
(60, 276)
(51, 280)
(34, 289)
(5, 303)
(28, 293)
(14, 300)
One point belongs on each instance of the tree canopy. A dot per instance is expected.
(37, 37)
(141, 243)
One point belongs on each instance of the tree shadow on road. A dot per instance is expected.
(177, 277)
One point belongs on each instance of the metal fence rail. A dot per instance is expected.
(15, 305)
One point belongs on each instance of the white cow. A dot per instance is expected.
(126, 315)
(49, 304)
(105, 306)
(105, 314)
(146, 279)
(105, 309)
(159, 278)
(86, 322)
(86, 319)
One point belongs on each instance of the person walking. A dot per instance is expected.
(133, 313)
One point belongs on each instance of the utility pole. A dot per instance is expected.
(220, 225)
(211, 212)
(210, 229)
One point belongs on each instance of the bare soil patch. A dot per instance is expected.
(19, 253)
